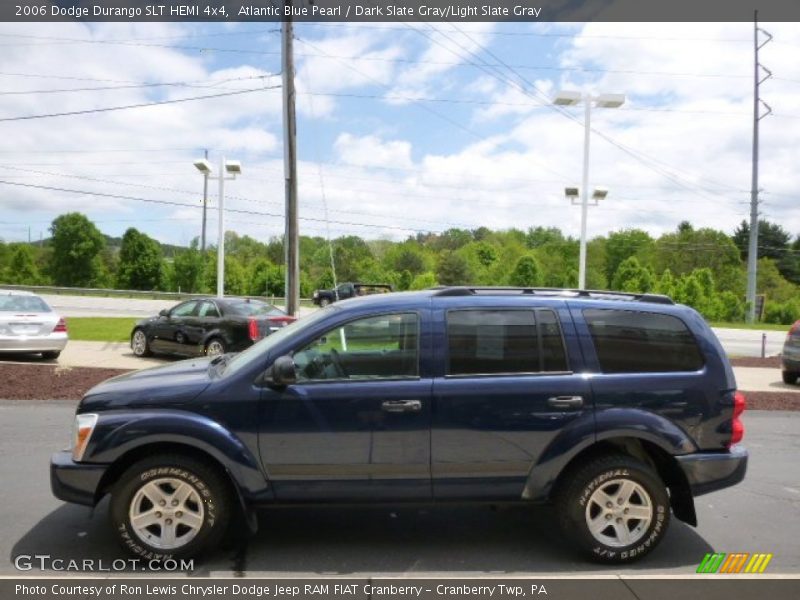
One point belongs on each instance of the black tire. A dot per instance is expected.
(212, 343)
(146, 350)
(575, 503)
(790, 377)
(51, 355)
(324, 302)
(210, 486)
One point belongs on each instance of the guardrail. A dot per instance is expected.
(147, 295)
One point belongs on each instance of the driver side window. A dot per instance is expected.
(383, 347)
(184, 310)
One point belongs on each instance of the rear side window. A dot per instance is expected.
(493, 341)
(628, 341)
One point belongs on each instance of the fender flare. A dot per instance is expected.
(593, 428)
(119, 434)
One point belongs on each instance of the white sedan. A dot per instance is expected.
(29, 326)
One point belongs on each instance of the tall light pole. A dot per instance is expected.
(205, 206)
(569, 98)
(232, 168)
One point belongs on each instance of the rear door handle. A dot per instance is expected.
(565, 402)
(401, 406)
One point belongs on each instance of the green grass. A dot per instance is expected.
(100, 329)
(756, 326)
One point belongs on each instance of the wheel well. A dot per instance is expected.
(115, 471)
(649, 453)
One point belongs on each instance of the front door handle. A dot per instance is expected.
(565, 402)
(401, 406)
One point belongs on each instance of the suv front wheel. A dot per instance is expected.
(614, 508)
(170, 507)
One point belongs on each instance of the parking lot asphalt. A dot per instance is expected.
(759, 515)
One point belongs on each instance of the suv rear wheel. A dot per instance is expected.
(170, 507)
(614, 508)
(790, 377)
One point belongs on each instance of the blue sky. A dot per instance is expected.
(401, 127)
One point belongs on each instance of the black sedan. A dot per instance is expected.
(207, 326)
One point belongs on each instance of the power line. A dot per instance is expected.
(131, 106)
(184, 205)
(211, 85)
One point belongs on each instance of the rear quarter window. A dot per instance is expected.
(629, 341)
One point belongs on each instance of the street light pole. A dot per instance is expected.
(221, 231)
(205, 206)
(232, 168)
(569, 98)
(587, 101)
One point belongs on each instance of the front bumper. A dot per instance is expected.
(712, 471)
(54, 342)
(75, 482)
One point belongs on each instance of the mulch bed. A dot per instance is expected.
(771, 362)
(51, 382)
(772, 400)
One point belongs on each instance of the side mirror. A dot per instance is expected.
(163, 312)
(281, 374)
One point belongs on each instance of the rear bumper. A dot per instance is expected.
(712, 471)
(74, 482)
(790, 364)
(55, 342)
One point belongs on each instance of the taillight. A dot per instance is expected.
(795, 329)
(252, 329)
(277, 322)
(737, 427)
(61, 326)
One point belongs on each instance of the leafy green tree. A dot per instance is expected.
(666, 284)
(624, 244)
(632, 277)
(689, 291)
(140, 262)
(424, 281)
(22, 269)
(453, 269)
(187, 271)
(526, 273)
(691, 249)
(539, 236)
(405, 280)
(77, 244)
(773, 242)
(731, 308)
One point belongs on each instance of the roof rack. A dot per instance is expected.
(543, 291)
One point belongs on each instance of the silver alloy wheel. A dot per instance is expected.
(619, 513)
(139, 343)
(215, 348)
(166, 513)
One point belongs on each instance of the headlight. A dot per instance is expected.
(316, 294)
(81, 432)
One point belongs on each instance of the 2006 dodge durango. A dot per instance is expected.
(616, 408)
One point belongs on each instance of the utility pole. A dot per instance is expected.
(752, 250)
(205, 205)
(221, 232)
(291, 238)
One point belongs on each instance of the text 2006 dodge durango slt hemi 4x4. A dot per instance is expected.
(617, 408)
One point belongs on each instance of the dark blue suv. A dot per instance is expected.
(617, 408)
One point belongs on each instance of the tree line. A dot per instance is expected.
(702, 267)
